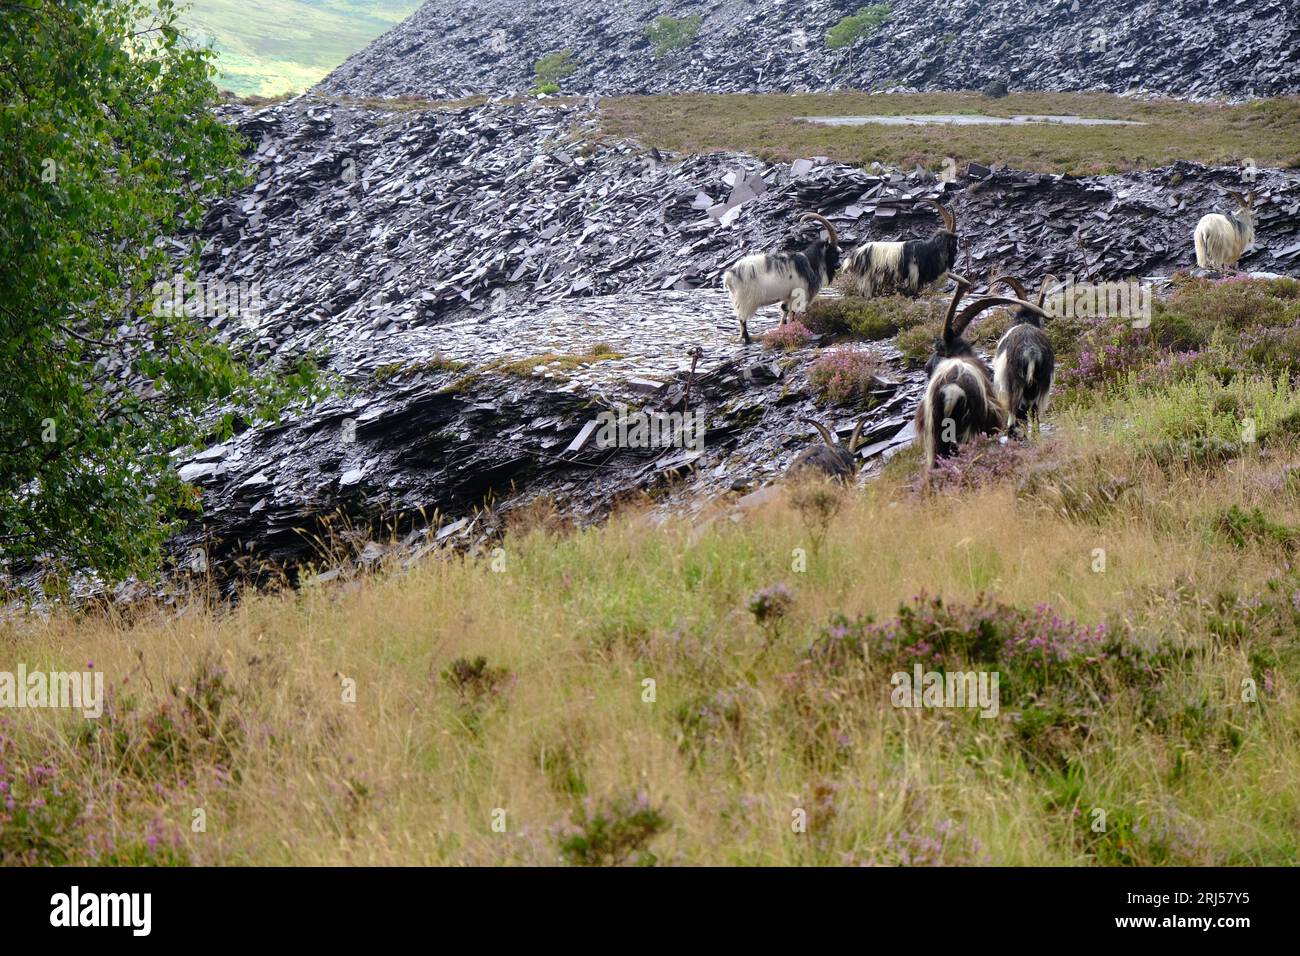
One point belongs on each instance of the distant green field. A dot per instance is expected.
(280, 46)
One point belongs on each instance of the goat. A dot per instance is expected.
(831, 458)
(1024, 364)
(960, 400)
(1221, 240)
(910, 266)
(792, 278)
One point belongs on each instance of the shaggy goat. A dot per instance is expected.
(831, 458)
(1220, 240)
(1023, 362)
(792, 278)
(960, 400)
(882, 267)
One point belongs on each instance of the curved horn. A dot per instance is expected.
(825, 432)
(969, 313)
(1049, 280)
(949, 217)
(1241, 200)
(962, 285)
(1011, 281)
(857, 433)
(1250, 199)
(826, 224)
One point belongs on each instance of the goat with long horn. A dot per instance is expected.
(876, 268)
(793, 279)
(831, 458)
(960, 400)
(1024, 364)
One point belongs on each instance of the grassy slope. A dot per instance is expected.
(279, 46)
(1267, 131)
(241, 713)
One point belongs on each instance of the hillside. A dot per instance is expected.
(1185, 48)
(473, 363)
(387, 481)
(683, 690)
(279, 46)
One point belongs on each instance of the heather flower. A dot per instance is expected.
(984, 460)
(1033, 647)
(947, 843)
(793, 335)
(771, 604)
(845, 374)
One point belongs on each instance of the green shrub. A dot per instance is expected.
(869, 319)
(1236, 302)
(1242, 527)
(192, 728)
(551, 69)
(611, 832)
(858, 25)
(917, 343)
(474, 679)
(1177, 332)
(1203, 408)
(668, 33)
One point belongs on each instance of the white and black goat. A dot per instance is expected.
(1221, 240)
(831, 458)
(879, 268)
(793, 279)
(960, 400)
(1024, 364)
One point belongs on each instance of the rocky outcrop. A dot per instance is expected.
(485, 281)
(1185, 48)
(364, 223)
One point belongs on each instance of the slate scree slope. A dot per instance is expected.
(1184, 48)
(446, 260)
(422, 249)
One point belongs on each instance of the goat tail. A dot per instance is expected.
(1218, 242)
(952, 394)
(924, 428)
(1202, 257)
(938, 412)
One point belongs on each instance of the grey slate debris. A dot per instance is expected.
(454, 239)
(1184, 48)
(363, 224)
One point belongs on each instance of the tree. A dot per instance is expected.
(108, 144)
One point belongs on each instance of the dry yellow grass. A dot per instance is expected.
(413, 771)
(602, 695)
